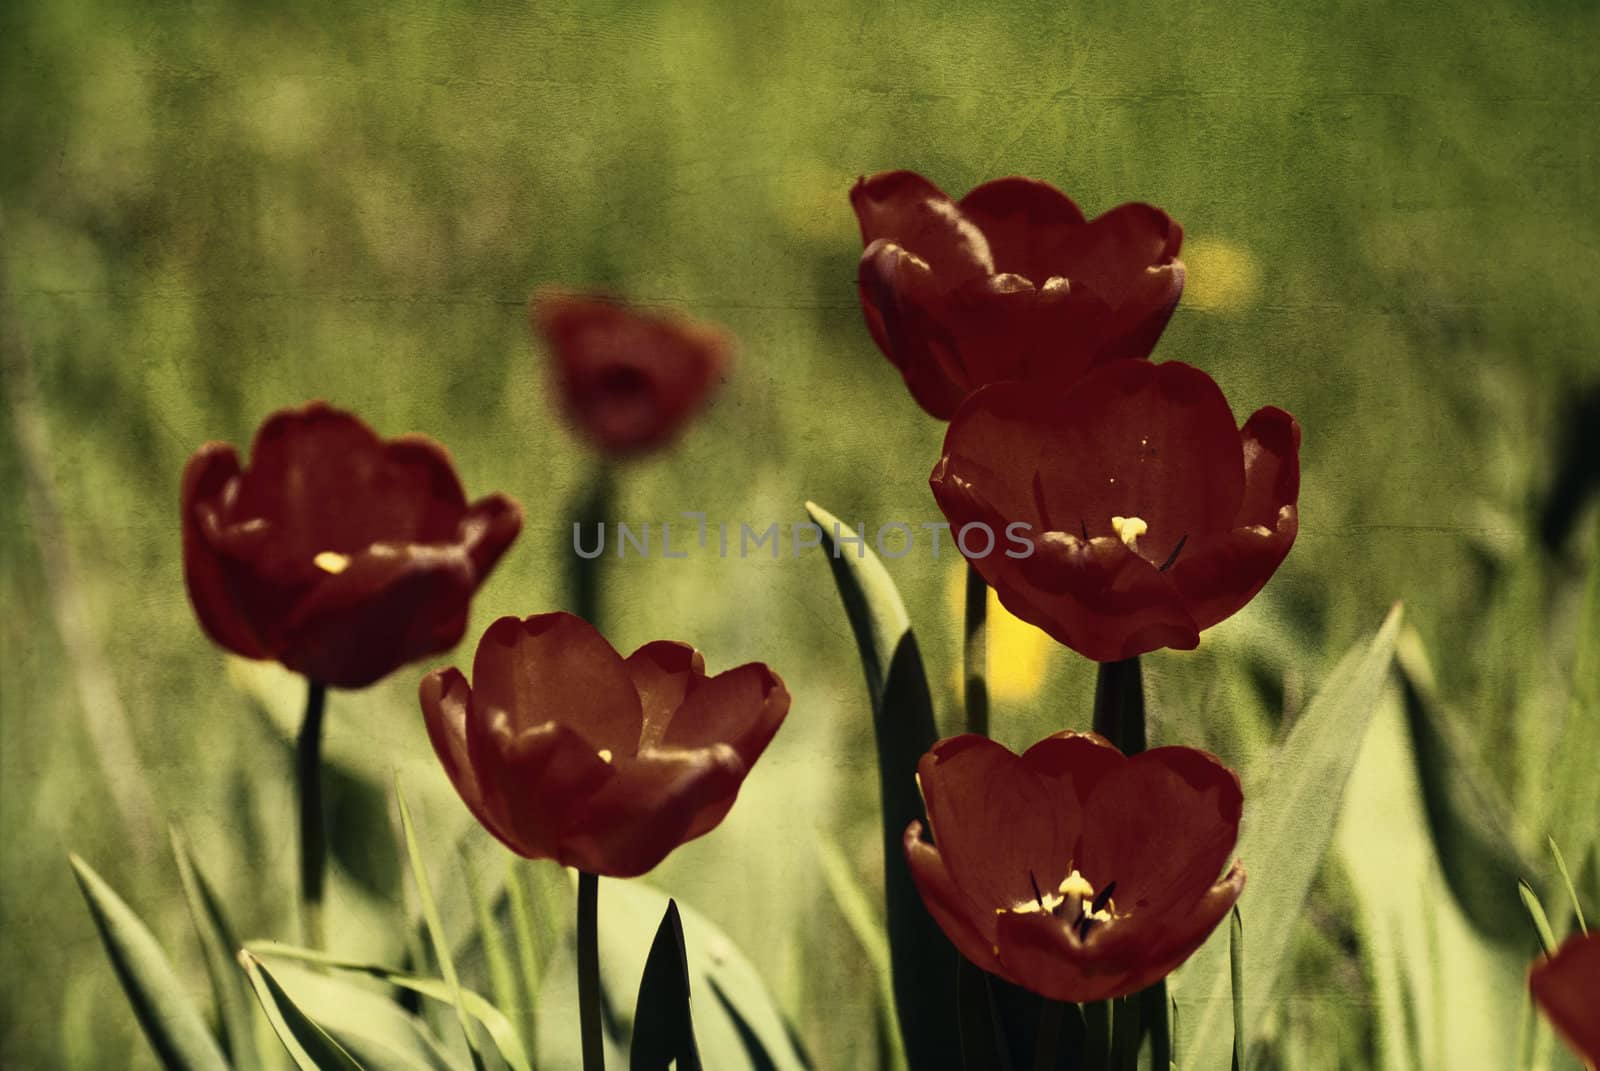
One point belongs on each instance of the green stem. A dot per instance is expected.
(1119, 705)
(1097, 1035)
(313, 832)
(594, 1054)
(594, 502)
(1044, 1052)
(976, 653)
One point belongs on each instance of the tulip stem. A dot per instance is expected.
(593, 503)
(594, 1054)
(1051, 1013)
(1119, 705)
(976, 653)
(313, 832)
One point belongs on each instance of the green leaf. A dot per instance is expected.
(502, 979)
(235, 1012)
(1440, 988)
(663, 1026)
(1574, 788)
(1572, 890)
(365, 1020)
(737, 1024)
(1537, 916)
(1289, 821)
(922, 958)
(493, 1019)
(1472, 828)
(430, 912)
(310, 1046)
(1236, 985)
(862, 917)
(174, 1026)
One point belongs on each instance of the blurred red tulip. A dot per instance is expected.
(1566, 986)
(631, 381)
(1010, 282)
(1151, 516)
(565, 750)
(335, 552)
(1071, 870)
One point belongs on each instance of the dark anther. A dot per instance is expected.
(1102, 898)
(1037, 895)
(1174, 555)
(1085, 529)
(1038, 501)
(1083, 925)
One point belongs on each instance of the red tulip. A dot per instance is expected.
(565, 750)
(630, 380)
(335, 552)
(1072, 871)
(1151, 516)
(1566, 987)
(1010, 282)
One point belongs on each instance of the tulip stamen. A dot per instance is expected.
(1084, 527)
(330, 561)
(1175, 551)
(1037, 895)
(1082, 907)
(1129, 529)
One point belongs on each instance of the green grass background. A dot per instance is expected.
(213, 211)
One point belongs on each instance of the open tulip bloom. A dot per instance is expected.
(335, 552)
(1010, 282)
(1566, 986)
(629, 380)
(1151, 516)
(1071, 870)
(565, 750)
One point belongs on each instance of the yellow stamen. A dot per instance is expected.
(605, 754)
(330, 561)
(1129, 529)
(1075, 884)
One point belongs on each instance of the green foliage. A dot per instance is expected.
(1289, 822)
(175, 1027)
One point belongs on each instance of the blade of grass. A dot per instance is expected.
(174, 1026)
(309, 1046)
(430, 912)
(1536, 915)
(865, 925)
(502, 978)
(528, 956)
(493, 1019)
(1572, 890)
(235, 1014)
(1236, 978)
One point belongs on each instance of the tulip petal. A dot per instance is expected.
(1001, 829)
(1043, 955)
(446, 700)
(664, 673)
(630, 380)
(1162, 826)
(557, 668)
(969, 928)
(205, 480)
(487, 529)
(899, 296)
(1029, 225)
(1111, 253)
(650, 808)
(304, 460)
(1566, 987)
(390, 604)
(536, 783)
(912, 212)
(742, 708)
(1223, 574)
